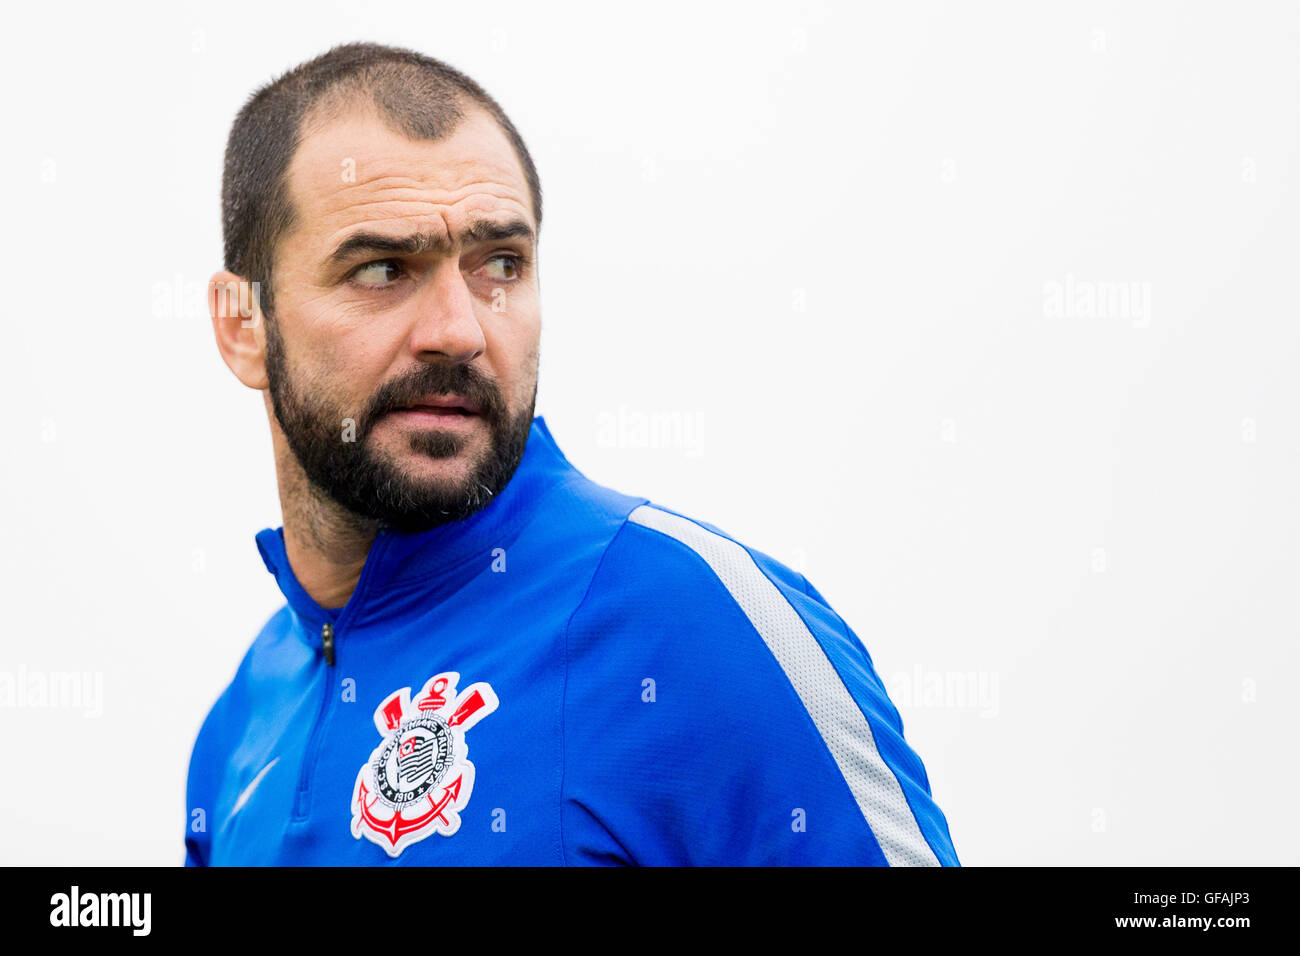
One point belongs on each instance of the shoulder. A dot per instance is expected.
(700, 623)
(685, 605)
(696, 548)
(696, 656)
(669, 569)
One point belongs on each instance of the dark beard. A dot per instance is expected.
(371, 486)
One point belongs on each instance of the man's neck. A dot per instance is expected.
(326, 545)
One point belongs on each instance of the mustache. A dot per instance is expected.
(429, 380)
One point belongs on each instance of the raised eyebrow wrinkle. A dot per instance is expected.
(483, 230)
(374, 242)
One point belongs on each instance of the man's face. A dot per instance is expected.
(401, 288)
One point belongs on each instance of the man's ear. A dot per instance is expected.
(237, 321)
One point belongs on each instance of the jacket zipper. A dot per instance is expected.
(328, 639)
(327, 642)
(313, 742)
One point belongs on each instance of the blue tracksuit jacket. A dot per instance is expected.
(569, 676)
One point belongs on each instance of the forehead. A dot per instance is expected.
(356, 169)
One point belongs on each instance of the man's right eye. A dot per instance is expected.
(378, 274)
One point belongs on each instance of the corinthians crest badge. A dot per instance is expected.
(419, 777)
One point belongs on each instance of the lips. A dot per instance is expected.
(443, 405)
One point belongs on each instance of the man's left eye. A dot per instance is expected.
(507, 266)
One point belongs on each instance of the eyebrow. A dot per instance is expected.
(482, 230)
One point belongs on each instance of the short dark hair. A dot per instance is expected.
(422, 97)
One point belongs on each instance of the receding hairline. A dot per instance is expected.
(355, 105)
(360, 92)
(322, 116)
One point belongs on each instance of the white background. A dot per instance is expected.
(823, 238)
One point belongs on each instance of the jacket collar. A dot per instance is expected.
(399, 563)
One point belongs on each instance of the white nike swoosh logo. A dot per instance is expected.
(248, 791)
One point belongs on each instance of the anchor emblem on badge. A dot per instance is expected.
(419, 778)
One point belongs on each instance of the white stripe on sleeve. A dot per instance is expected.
(846, 732)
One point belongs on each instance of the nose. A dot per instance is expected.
(445, 323)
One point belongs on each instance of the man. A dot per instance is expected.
(485, 657)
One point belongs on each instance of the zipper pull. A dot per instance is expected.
(327, 640)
